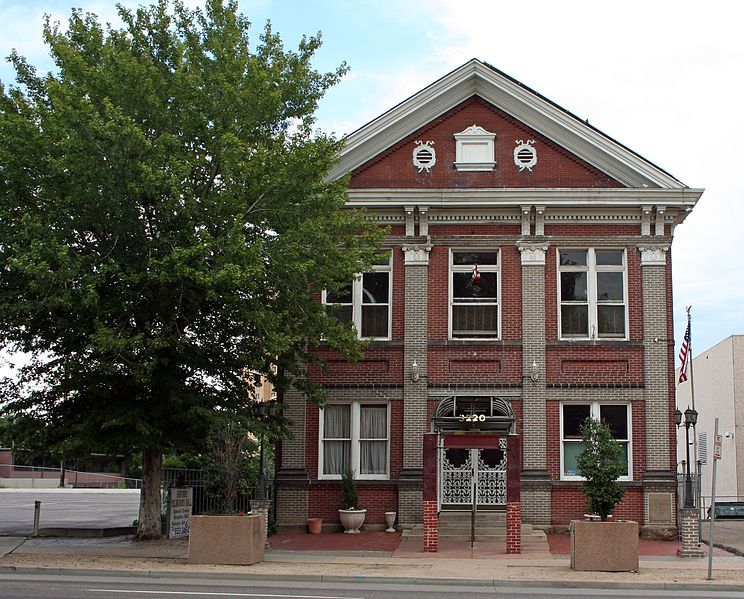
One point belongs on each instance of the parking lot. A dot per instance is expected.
(66, 508)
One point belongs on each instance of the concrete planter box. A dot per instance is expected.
(604, 546)
(234, 540)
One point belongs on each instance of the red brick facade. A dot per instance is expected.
(564, 202)
(558, 167)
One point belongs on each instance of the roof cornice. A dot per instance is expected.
(685, 198)
(525, 105)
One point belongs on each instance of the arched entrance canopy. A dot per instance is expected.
(485, 413)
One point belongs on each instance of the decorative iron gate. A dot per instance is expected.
(465, 472)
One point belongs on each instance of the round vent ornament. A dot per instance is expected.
(525, 155)
(424, 156)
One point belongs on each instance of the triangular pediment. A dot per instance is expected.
(500, 137)
(476, 83)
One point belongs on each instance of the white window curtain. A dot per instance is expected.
(373, 439)
(337, 439)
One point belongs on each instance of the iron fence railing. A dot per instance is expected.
(208, 498)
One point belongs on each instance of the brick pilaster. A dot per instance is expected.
(689, 528)
(513, 527)
(655, 358)
(429, 492)
(533, 352)
(513, 494)
(535, 502)
(431, 527)
(292, 481)
(416, 324)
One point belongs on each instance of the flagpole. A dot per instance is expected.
(692, 396)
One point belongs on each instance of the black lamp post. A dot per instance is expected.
(264, 411)
(691, 417)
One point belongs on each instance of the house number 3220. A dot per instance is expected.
(472, 418)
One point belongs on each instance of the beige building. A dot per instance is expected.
(718, 376)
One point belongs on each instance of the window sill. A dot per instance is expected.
(569, 341)
(574, 482)
(326, 480)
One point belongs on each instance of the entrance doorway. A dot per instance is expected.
(472, 478)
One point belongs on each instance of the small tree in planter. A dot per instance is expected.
(602, 546)
(601, 465)
(351, 516)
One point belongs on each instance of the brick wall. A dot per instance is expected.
(568, 503)
(556, 166)
(324, 500)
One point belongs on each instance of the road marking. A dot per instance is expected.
(212, 594)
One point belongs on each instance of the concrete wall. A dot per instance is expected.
(718, 393)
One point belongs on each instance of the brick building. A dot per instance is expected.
(529, 286)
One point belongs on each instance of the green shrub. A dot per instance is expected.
(349, 495)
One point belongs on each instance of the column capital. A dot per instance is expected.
(533, 254)
(653, 255)
(416, 255)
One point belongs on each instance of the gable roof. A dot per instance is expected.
(519, 101)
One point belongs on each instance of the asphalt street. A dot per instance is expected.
(66, 509)
(16, 586)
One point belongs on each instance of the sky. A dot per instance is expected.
(664, 78)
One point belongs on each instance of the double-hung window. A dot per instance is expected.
(617, 416)
(355, 436)
(593, 298)
(474, 294)
(365, 302)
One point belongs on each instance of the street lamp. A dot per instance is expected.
(691, 417)
(264, 411)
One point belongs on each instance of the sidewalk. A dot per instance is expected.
(373, 557)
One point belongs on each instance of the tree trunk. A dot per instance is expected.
(150, 500)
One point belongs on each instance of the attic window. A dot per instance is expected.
(475, 149)
(424, 156)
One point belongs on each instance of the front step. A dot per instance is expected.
(490, 526)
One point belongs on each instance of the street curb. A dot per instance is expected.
(728, 548)
(334, 578)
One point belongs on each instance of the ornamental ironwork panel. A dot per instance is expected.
(458, 467)
(492, 475)
(457, 477)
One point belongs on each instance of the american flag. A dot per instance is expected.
(684, 354)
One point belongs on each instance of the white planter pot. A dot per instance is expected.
(352, 520)
(390, 521)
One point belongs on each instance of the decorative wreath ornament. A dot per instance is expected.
(525, 155)
(424, 156)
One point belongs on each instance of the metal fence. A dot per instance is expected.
(208, 498)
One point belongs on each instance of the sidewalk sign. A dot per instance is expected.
(716, 457)
(180, 504)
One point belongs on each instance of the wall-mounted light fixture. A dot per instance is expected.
(534, 372)
(414, 371)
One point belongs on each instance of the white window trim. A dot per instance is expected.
(594, 413)
(592, 269)
(469, 268)
(355, 425)
(357, 289)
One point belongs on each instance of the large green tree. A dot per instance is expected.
(166, 228)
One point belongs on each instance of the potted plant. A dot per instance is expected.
(602, 545)
(351, 516)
